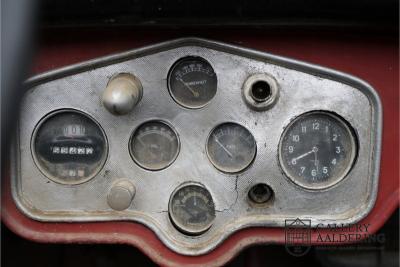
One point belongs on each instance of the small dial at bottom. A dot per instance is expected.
(191, 209)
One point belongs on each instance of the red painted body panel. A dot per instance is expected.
(371, 57)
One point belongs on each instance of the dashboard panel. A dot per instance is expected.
(217, 138)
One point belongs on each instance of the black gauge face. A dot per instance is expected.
(154, 145)
(192, 82)
(191, 209)
(69, 147)
(317, 150)
(231, 148)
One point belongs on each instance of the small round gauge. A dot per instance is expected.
(317, 150)
(231, 148)
(191, 209)
(192, 82)
(69, 147)
(154, 145)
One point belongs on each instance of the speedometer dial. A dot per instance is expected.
(69, 147)
(192, 82)
(231, 148)
(317, 150)
(154, 145)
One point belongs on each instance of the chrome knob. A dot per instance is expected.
(121, 195)
(122, 93)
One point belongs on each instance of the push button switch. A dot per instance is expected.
(122, 93)
(121, 195)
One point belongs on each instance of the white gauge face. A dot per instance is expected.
(154, 145)
(317, 150)
(191, 209)
(192, 82)
(231, 148)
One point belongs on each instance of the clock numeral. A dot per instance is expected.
(325, 170)
(302, 169)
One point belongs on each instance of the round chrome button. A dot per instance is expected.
(121, 195)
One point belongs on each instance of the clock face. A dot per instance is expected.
(317, 150)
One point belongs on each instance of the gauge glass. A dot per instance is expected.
(69, 147)
(231, 148)
(154, 145)
(317, 150)
(191, 209)
(192, 82)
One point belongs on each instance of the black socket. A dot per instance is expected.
(260, 91)
(260, 193)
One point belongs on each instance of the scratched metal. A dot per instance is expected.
(303, 87)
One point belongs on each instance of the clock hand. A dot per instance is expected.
(304, 155)
(315, 150)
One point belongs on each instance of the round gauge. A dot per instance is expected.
(317, 150)
(69, 147)
(231, 148)
(154, 145)
(191, 209)
(192, 82)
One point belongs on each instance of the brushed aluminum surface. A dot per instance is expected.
(303, 88)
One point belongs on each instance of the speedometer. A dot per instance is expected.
(192, 82)
(317, 150)
(69, 147)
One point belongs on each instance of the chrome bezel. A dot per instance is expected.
(43, 170)
(222, 169)
(333, 180)
(143, 165)
(182, 103)
(175, 221)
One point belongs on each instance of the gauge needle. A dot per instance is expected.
(188, 211)
(148, 146)
(141, 141)
(195, 94)
(224, 148)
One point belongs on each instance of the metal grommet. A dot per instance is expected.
(260, 91)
